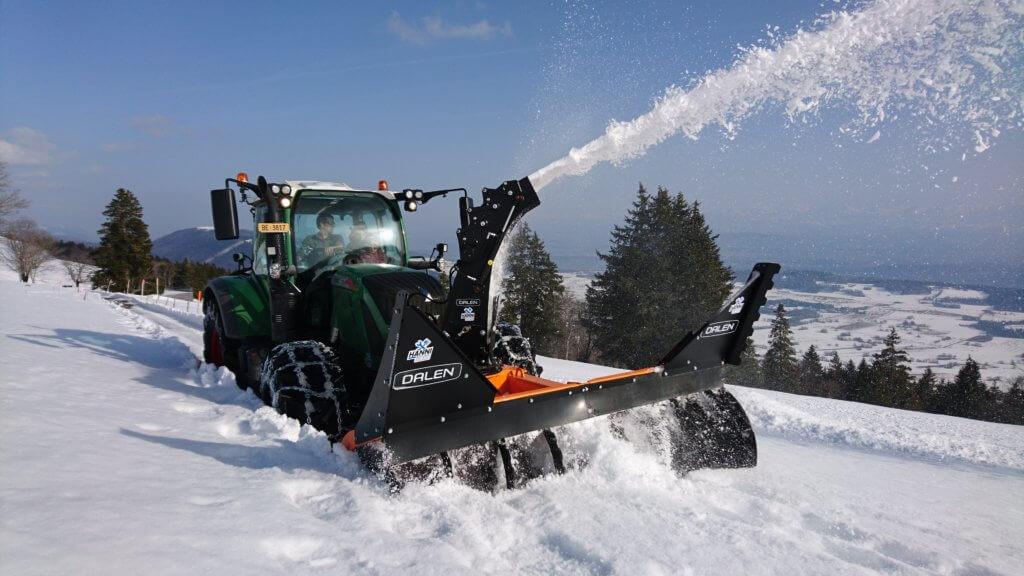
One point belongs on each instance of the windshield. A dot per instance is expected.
(348, 227)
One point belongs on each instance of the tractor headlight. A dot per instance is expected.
(411, 206)
(286, 202)
(418, 194)
(275, 189)
(408, 195)
(286, 190)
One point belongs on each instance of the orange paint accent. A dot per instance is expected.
(512, 380)
(514, 383)
(537, 391)
(349, 441)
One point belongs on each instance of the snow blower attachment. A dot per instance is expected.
(429, 397)
(345, 331)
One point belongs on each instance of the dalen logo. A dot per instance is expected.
(467, 302)
(422, 352)
(720, 328)
(427, 375)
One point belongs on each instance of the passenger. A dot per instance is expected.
(365, 245)
(323, 244)
(357, 236)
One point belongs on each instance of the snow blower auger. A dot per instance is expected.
(332, 323)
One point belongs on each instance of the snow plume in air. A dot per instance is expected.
(943, 62)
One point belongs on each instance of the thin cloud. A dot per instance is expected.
(435, 28)
(156, 125)
(117, 147)
(26, 146)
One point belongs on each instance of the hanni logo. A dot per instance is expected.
(422, 352)
(737, 306)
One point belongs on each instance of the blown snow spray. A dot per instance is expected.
(945, 62)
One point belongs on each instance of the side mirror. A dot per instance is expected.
(225, 214)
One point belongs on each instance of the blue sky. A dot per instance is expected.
(168, 99)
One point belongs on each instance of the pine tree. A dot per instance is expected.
(124, 251)
(968, 395)
(780, 366)
(663, 277)
(832, 384)
(811, 376)
(860, 391)
(891, 384)
(748, 373)
(925, 392)
(1013, 402)
(848, 382)
(992, 411)
(532, 290)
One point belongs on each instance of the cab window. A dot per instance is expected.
(340, 228)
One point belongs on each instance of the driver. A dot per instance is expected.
(323, 243)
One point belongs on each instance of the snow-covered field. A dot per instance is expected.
(938, 330)
(121, 454)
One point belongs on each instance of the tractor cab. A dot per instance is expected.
(334, 228)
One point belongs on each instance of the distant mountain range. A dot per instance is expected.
(200, 245)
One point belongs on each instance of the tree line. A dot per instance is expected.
(664, 276)
(122, 262)
(885, 380)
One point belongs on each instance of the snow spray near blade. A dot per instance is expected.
(944, 62)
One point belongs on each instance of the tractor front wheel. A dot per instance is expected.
(511, 348)
(303, 380)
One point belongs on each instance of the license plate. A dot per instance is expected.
(273, 227)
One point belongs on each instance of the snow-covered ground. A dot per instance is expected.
(121, 454)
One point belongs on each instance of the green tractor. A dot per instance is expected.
(332, 322)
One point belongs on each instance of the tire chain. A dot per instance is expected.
(306, 370)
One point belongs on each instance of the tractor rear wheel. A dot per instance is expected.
(303, 380)
(218, 349)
